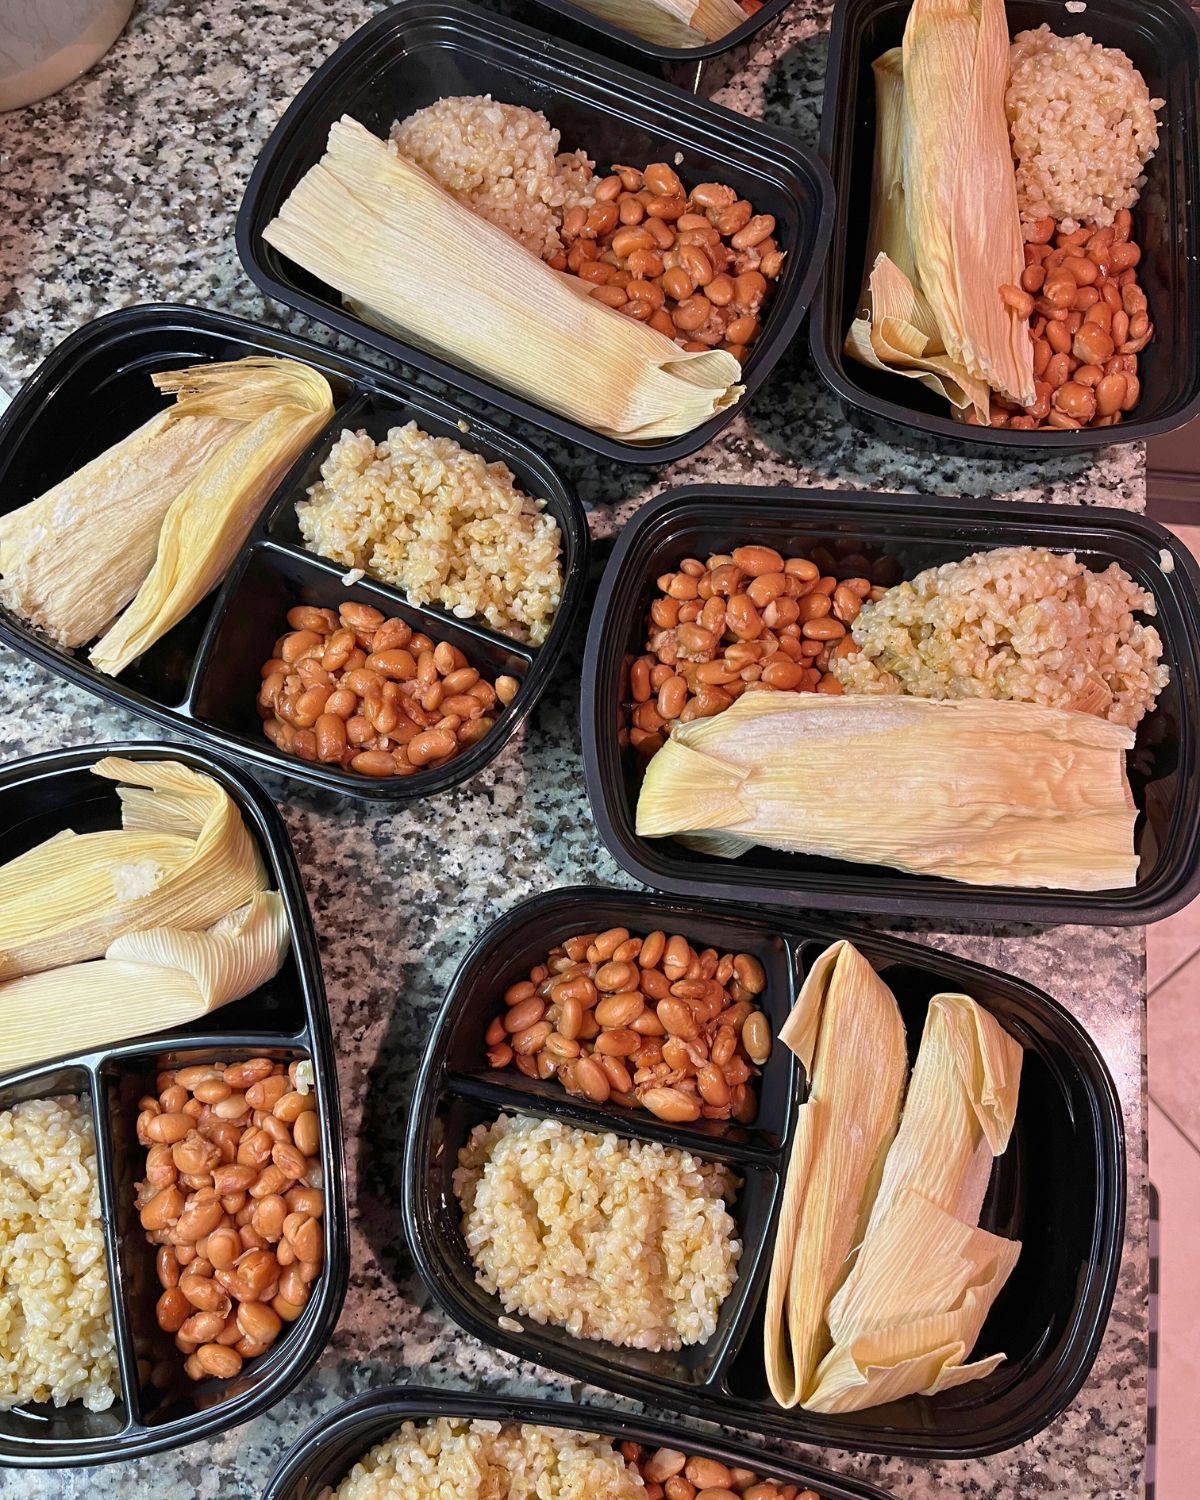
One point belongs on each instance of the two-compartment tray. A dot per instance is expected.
(203, 676)
(1059, 1188)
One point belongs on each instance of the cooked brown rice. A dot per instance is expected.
(442, 524)
(1019, 622)
(610, 1239)
(502, 161)
(56, 1336)
(451, 1458)
(1082, 125)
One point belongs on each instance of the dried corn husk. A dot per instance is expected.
(150, 980)
(847, 1032)
(987, 792)
(671, 23)
(279, 407)
(908, 1315)
(72, 559)
(183, 858)
(410, 259)
(960, 191)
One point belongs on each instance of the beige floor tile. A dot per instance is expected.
(1174, 1048)
(1175, 1172)
(1171, 943)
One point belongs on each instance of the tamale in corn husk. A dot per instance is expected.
(908, 1314)
(154, 979)
(671, 23)
(279, 406)
(847, 1032)
(410, 259)
(183, 858)
(896, 329)
(987, 792)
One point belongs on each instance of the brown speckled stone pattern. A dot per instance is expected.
(123, 190)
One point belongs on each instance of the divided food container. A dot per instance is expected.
(202, 678)
(331, 1446)
(1163, 42)
(413, 54)
(1059, 1188)
(918, 531)
(286, 1020)
(615, 39)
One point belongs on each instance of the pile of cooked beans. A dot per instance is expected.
(746, 618)
(1089, 320)
(232, 1197)
(370, 694)
(640, 1021)
(669, 1474)
(697, 265)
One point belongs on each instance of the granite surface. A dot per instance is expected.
(124, 189)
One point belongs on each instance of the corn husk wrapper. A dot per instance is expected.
(960, 193)
(986, 792)
(906, 1318)
(846, 1030)
(410, 259)
(73, 558)
(279, 406)
(183, 858)
(149, 981)
(671, 23)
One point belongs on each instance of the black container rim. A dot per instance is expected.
(966, 903)
(749, 28)
(1108, 1228)
(979, 441)
(393, 790)
(571, 58)
(416, 1402)
(317, 1039)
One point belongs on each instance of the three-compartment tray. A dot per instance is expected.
(1163, 42)
(1059, 1188)
(336, 1441)
(203, 676)
(286, 1019)
(917, 531)
(415, 53)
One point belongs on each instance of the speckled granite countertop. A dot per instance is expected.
(124, 189)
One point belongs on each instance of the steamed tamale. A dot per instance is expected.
(671, 23)
(988, 792)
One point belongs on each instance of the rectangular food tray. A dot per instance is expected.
(617, 41)
(1059, 1188)
(1163, 41)
(335, 1442)
(202, 677)
(286, 1019)
(921, 531)
(412, 54)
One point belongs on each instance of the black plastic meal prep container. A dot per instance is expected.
(286, 1019)
(334, 1444)
(615, 40)
(1163, 41)
(415, 53)
(918, 531)
(203, 676)
(1059, 1188)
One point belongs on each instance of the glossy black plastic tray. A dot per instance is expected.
(1163, 40)
(1060, 1187)
(919, 531)
(335, 1442)
(613, 37)
(286, 1019)
(202, 678)
(414, 53)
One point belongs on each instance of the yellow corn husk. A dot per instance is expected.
(411, 260)
(72, 559)
(279, 406)
(182, 858)
(907, 1316)
(847, 1032)
(671, 23)
(983, 791)
(150, 980)
(960, 192)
